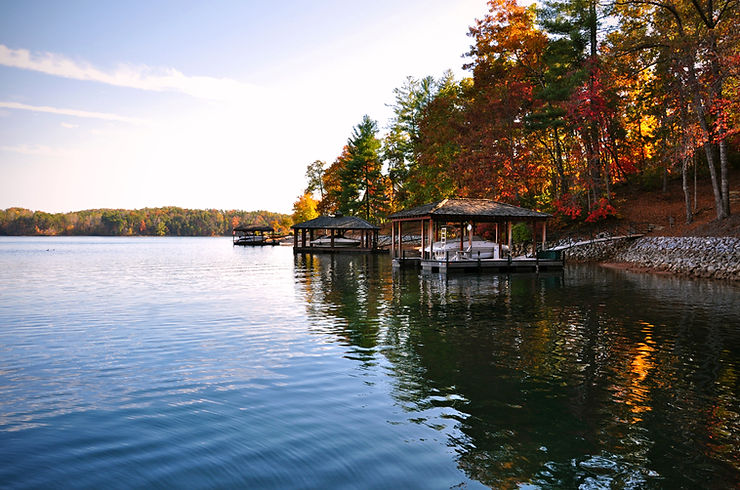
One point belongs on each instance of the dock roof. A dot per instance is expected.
(336, 222)
(477, 209)
(253, 228)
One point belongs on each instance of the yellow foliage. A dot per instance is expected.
(304, 208)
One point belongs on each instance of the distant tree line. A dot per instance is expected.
(167, 221)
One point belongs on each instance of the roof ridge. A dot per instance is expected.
(439, 205)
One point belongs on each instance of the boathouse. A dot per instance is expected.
(337, 233)
(436, 222)
(253, 235)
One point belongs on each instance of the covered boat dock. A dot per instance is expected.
(466, 251)
(253, 235)
(335, 234)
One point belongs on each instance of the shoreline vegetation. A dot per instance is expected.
(164, 221)
(566, 104)
(715, 257)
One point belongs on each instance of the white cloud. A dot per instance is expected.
(37, 150)
(69, 125)
(106, 116)
(140, 77)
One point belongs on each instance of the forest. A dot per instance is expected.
(169, 221)
(566, 102)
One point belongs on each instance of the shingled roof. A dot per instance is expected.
(253, 228)
(455, 209)
(337, 222)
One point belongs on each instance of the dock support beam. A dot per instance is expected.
(510, 236)
(544, 234)
(393, 239)
(400, 238)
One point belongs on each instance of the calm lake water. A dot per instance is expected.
(186, 362)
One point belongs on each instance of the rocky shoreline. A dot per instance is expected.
(709, 257)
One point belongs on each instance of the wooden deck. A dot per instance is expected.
(334, 250)
(488, 265)
(263, 243)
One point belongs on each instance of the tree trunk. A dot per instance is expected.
(708, 150)
(724, 177)
(564, 185)
(696, 194)
(718, 95)
(595, 156)
(607, 179)
(685, 185)
(367, 194)
(687, 152)
(664, 189)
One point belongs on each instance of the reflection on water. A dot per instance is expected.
(351, 289)
(593, 378)
(189, 362)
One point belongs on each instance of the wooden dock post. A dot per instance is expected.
(510, 236)
(393, 239)
(544, 234)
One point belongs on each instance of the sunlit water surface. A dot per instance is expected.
(186, 362)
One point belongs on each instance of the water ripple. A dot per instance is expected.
(189, 362)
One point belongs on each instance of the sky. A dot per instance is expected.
(217, 105)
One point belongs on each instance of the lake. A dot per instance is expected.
(187, 362)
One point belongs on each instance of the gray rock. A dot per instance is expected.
(717, 257)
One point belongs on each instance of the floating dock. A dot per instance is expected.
(547, 262)
(431, 221)
(326, 234)
(254, 236)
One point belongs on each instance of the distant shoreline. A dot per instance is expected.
(166, 221)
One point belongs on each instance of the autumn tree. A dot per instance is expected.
(700, 40)
(332, 182)
(575, 27)
(304, 208)
(499, 158)
(560, 107)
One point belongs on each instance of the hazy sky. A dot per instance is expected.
(217, 104)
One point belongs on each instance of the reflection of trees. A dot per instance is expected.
(596, 377)
(564, 384)
(344, 296)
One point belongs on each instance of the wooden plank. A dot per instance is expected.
(493, 265)
(349, 250)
